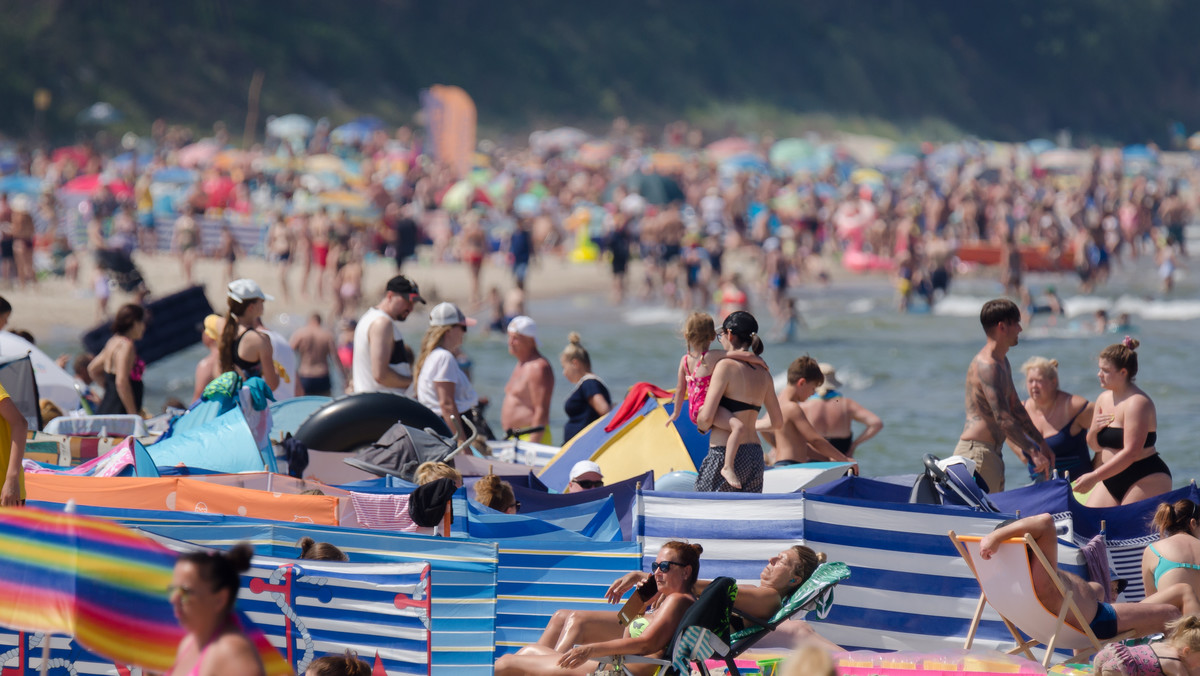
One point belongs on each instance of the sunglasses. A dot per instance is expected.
(589, 483)
(185, 593)
(664, 566)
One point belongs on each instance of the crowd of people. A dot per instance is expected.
(318, 209)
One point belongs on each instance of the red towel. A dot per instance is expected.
(633, 403)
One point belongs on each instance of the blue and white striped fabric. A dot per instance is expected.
(909, 589)
(313, 608)
(587, 522)
(539, 577)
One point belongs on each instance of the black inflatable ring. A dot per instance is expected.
(351, 423)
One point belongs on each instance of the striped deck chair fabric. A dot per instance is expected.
(816, 594)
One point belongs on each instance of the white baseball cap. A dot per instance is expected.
(243, 290)
(448, 314)
(524, 326)
(583, 467)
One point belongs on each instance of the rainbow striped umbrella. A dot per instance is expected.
(99, 582)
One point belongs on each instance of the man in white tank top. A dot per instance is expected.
(380, 363)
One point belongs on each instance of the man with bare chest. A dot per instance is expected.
(994, 411)
(527, 394)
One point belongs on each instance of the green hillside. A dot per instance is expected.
(1107, 69)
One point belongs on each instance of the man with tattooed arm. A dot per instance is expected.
(994, 411)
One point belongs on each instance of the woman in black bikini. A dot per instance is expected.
(1123, 434)
(118, 366)
(742, 389)
(241, 346)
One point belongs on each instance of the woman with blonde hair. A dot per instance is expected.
(1177, 655)
(590, 400)
(1062, 418)
(439, 381)
(1123, 434)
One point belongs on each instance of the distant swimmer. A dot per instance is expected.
(831, 413)
(994, 411)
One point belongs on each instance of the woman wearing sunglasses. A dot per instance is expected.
(204, 587)
(674, 570)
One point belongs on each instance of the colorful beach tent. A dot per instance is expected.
(223, 444)
(644, 442)
(99, 582)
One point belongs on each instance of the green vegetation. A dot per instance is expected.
(1106, 69)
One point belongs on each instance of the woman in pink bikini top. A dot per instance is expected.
(203, 590)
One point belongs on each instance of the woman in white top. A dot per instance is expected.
(441, 384)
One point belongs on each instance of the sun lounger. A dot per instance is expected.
(816, 594)
(1007, 583)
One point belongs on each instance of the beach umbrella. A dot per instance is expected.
(1038, 146)
(527, 204)
(595, 153)
(90, 183)
(718, 151)
(200, 153)
(790, 150)
(462, 196)
(230, 158)
(100, 114)
(174, 175)
(53, 382)
(357, 131)
(292, 126)
(655, 188)
(323, 162)
(867, 177)
(1137, 152)
(78, 155)
(562, 138)
(667, 163)
(743, 162)
(19, 184)
(101, 583)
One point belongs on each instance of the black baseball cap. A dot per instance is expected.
(405, 286)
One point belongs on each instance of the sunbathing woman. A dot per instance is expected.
(675, 570)
(783, 574)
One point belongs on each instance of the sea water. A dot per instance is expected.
(908, 368)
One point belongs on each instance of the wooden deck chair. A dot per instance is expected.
(1007, 583)
(816, 594)
(702, 632)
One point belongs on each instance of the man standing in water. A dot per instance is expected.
(994, 411)
(527, 394)
(380, 363)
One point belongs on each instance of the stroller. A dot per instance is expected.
(402, 449)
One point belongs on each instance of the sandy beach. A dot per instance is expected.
(55, 311)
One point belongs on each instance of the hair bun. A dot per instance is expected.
(1131, 343)
(574, 338)
(239, 556)
(305, 544)
(821, 558)
(698, 548)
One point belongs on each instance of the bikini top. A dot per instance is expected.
(1114, 437)
(733, 405)
(1166, 565)
(250, 368)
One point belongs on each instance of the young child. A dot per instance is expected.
(695, 372)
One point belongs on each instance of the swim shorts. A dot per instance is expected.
(1104, 624)
(989, 464)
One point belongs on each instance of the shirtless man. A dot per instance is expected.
(314, 344)
(994, 411)
(1106, 619)
(527, 394)
(831, 413)
(797, 435)
(379, 363)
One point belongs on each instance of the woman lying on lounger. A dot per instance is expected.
(675, 569)
(783, 574)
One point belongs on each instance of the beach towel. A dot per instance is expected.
(633, 403)
(383, 511)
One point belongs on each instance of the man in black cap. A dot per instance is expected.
(381, 363)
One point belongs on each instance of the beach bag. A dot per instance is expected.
(225, 386)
